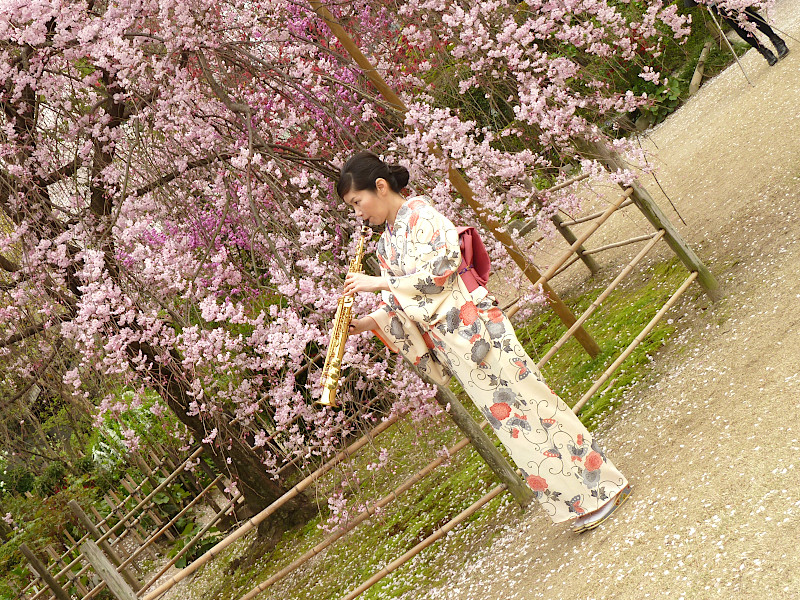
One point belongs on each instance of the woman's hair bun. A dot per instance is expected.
(361, 172)
(400, 174)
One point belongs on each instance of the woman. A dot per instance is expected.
(425, 298)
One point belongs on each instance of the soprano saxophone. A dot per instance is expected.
(339, 332)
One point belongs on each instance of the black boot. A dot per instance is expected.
(768, 55)
(781, 47)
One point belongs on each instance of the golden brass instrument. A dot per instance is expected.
(339, 332)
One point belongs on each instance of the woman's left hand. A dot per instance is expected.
(359, 282)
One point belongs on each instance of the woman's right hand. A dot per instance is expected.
(361, 325)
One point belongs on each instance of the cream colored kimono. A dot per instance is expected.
(474, 341)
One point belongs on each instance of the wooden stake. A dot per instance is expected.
(613, 162)
(489, 222)
(507, 474)
(253, 522)
(103, 567)
(604, 377)
(89, 526)
(59, 562)
(439, 533)
(580, 251)
(38, 566)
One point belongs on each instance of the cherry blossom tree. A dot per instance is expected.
(166, 191)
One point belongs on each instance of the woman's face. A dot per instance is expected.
(369, 205)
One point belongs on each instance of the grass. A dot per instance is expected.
(451, 488)
(614, 325)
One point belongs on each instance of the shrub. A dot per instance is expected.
(52, 480)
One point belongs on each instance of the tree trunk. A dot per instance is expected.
(238, 461)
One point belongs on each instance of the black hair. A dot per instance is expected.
(362, 170)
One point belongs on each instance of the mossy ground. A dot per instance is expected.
(453, 487)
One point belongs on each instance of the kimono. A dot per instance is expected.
(469, 337)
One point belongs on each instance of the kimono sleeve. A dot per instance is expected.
(433, 256)
(402, 335)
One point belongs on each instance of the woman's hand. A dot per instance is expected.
(361, 325)
(359, 282)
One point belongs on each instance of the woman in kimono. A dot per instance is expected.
(467, 335)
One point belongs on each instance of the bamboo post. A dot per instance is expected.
(368, 512)
(157, 489)
(77, 511)
(73, 545)
(116, 511)
(253, 522)
(522, 493)
(220, 484)
(131, 525)
(103, 567)
(596, 304)
(697, 77)
(621, 358)
(439, 533)
(489, 222)
(149, 509)
(113, 539)
(38, 566)
(613, 162)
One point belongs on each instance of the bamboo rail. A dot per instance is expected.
(253, 522)
(153, 537)
(99, 587)
(574, 259)
(229, 506)
(363, 516)
(593, 216)
(582, 238)
(633, 240)
(596, 304)
(439, 533)
(604, 377)
(613, 162)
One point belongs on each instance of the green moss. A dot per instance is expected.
(622, 315)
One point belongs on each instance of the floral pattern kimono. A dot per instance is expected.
(472, 339)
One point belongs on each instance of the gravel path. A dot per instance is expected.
(712, 445)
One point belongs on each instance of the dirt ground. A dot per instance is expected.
(712, 443)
